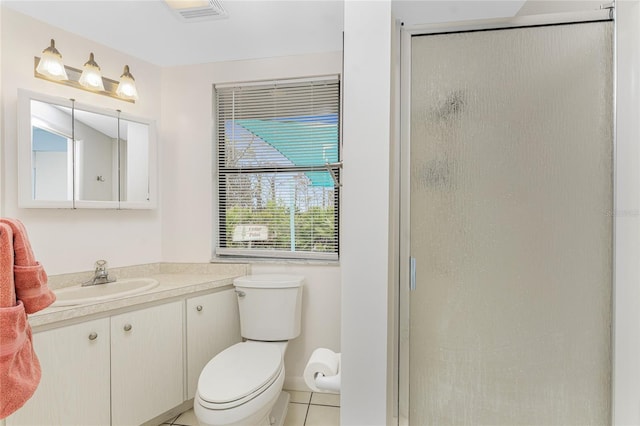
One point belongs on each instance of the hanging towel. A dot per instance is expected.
(7, 287)
(30, 277)
(19, 367)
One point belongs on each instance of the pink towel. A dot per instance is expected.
(7, 287)
(19, 367)
(30, 277)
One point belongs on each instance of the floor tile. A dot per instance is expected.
(188, 418)
(322, 415)
(298, 396)
(296, 414)
(325, 399)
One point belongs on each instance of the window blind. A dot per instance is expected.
(278, 156)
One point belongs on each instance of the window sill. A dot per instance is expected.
(252, 260)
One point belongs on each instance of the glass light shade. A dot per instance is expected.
(127, 87)
(50, 64)
(91, 77)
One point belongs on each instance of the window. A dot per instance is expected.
(278, 157)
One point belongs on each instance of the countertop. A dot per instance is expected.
(171, 286)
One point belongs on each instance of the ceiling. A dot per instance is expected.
(147, 29)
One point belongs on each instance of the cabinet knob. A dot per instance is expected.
(127, 327)
(93, 336)
(199, 308)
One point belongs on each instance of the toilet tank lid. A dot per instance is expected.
(269, 281)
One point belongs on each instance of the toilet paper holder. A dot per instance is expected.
(328, 383)
(323, 371)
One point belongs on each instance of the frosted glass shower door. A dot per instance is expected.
(511, 201)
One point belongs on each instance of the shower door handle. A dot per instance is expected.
(412, 273)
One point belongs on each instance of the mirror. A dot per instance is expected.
(134, 161)
(96, 158)
(76, 156)
(51, 152)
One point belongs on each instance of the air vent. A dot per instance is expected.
(197, 10)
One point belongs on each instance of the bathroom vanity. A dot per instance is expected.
(130, 361)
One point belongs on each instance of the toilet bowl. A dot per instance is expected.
(241, 385)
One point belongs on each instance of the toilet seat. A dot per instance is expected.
(239, 374)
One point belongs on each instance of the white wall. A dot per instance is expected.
(72, 240)
(365, 216)
(187, 188)
(626, 374)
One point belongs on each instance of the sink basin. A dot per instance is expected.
(78, 295)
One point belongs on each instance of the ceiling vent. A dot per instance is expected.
(197, 10)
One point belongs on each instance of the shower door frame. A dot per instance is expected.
(404, 163)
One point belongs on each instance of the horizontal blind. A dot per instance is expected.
(277, 149)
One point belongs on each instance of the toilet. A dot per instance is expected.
(242, 385)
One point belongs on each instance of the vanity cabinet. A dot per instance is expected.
(213, 324)
(129, 368)
(146, 363)
(74, 389)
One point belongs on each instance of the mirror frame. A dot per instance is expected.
(25, 175)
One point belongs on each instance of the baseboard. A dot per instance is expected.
(174, 412)
(295, 383)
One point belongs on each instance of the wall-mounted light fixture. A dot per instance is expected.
(91, 77)
(127, 87)
(50, 67)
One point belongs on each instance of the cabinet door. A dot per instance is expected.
(146, 363)
(213, 324)
(74, 389)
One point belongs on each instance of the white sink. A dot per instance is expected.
(78, 295)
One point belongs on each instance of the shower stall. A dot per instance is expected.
(507, 194)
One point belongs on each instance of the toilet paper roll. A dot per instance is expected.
(322, 373)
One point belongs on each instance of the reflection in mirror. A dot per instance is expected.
(51, 152)
(96, 154)
(134, 161)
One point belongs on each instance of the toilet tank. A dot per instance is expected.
(270, 306)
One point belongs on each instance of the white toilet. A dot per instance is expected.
(241, 385)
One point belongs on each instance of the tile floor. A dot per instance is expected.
(305, 409)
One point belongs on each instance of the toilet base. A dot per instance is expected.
(279, 410)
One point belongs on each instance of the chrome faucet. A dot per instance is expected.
(100, 275)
